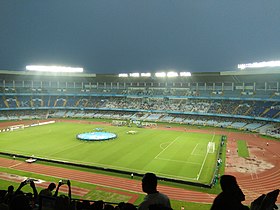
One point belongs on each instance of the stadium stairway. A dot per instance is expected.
(5, 102)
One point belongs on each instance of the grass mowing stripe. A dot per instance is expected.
(129, 153)
(242, 149)
(179, 161)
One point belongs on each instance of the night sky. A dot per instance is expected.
(118, 36)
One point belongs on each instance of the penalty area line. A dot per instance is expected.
(165, 148)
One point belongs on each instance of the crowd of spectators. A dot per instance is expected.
(230, 198)
(46, 199)
(184, 105)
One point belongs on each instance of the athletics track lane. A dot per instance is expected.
(105, 180)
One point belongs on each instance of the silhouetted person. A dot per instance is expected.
(231, 196)
(20, 201)
(48, 191)
(62, 182)
(266, 201)
(153, 197)
(33, 197)
(8, 196)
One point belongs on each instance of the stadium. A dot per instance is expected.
(188, 130)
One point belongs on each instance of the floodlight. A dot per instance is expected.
(123, 75)
(54, 69)
(172, 74)
(185, 74)
(160, 74)
(134, 74)
(145, 74)
(259, 64)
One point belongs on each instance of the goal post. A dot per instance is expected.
(211, 147)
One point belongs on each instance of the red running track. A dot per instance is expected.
(105, 180)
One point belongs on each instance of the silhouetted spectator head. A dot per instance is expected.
(229, 185)
(52, 186)
(108, 207)
(120, 205)
(149, 183)
(48, 191)
(11, 189)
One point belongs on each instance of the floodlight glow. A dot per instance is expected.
(54, 69)
(259, 65)
(160, 74)
(185, 74)
(172, 74)
(145, 74)
(134, 74)
(123, 75)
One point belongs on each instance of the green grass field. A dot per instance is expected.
(242, 149)
(170, 154)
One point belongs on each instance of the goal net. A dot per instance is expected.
(211, 147)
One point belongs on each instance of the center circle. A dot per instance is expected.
(96, 136)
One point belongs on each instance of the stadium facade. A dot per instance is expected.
(242, 100)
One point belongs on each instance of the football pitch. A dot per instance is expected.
(171, 154)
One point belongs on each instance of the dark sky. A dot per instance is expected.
(116, 36)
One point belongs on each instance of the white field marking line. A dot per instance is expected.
(244, 163)
(256, 173)
(178, 161)
(193, 151)
(253, 168)
(174, 176)
(17, 151)
(15, 165)
(65, 148)
(253, 171)
(116, 167)
(123, 168)
(199, 173)
(163, 144)
(165, 148)
(93, 164)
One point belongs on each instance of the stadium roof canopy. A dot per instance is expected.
(251, 71)
(247, 75)
(55, 74)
